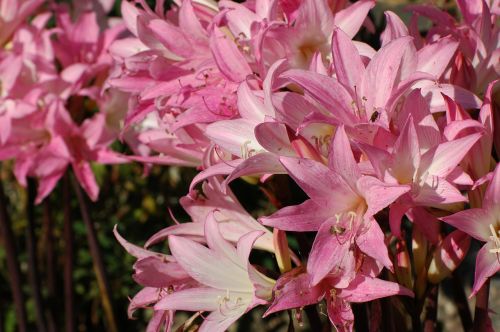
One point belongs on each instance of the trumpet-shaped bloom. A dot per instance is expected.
(293, 290)
(426, 172)
(483, 224)
(229, 285)
(341, 206)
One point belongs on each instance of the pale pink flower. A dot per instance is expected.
(483, 224)
(229, 284)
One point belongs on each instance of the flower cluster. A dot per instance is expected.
(389, 144)
(53, 111)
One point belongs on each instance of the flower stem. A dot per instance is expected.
(12, 263)
(97, 259)
(69, 304)
(34, 275)
(48, 225)
(481, 317)
(431, 308)
(461, 303)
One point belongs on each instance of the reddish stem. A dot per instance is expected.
(69, 304)
(481, 317)
(12, 263)
(34, 275)
(95, 252)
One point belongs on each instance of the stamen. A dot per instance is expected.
(247, 152)
(496, 240)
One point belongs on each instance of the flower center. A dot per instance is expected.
(496, 240)
(226, 303)
(343, 225)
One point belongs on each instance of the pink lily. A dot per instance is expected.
(425, 172)
(341, 207)
(155, 272)
(13, 13)
(227, 289)
(483, 224)
(293, 290)
(234, 221)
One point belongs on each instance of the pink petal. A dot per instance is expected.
(475, 222)
(351, 18)
(159, 320)
(321, 184)
(155, 272)
(170, 36)
(405, 159)
(293, 290)
(327, 251)
(193, 299)
(222, 168)
(236, 136)
(436, 191)
(442, 160)
(46, 185)
(137, 251)
(246, 243)
(327, 91)
(433, 94)
(487, 264)
(396, 213)
(372, 242)
(273, 137)
(349, 68)
(378, 194)
(364, 289)
(216, 241)
(249, 105)
(395, 28)
(260, 164)
(291, 108)
(129, 13)
(386, 64)
(198, 260)
(426, 222)
(305, 217)
(341, 158)
(86, 178)
(340, 314)
(220, 321)
(228, 58)
(434, 58)
(143, 298)
(491, 199)
(189, 23)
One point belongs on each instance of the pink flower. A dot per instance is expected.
(229, 285)
(13, 13)
(483, 224)
(293, 290)
(341, 207)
